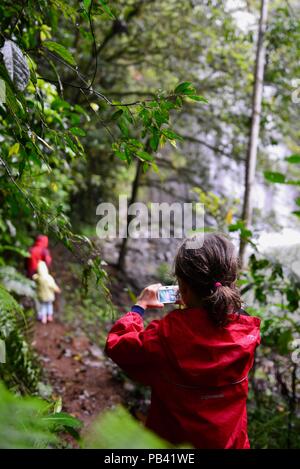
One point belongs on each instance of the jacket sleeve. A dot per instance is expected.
(56, 287)
(52, 284)
(47, 257)
(135, 349)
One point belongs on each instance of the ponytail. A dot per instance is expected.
(224, 300)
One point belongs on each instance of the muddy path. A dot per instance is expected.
(75, 368)
(76, 371)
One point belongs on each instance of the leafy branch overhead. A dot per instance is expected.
(280, 178)
(154, 118)
(143, 125)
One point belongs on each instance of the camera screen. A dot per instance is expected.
(168, 295)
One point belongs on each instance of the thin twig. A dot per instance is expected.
(94, 44)
(18, 18)
(98, 117)
(100, 95)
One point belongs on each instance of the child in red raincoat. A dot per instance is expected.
(38, 252)
(195, 359)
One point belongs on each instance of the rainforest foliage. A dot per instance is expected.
(100, 98)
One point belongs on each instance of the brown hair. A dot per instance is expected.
(211, 273)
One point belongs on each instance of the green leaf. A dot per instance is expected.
(6, 247)
(171, 135)
(240, 226)
(153, 104)
(73, 432)
(274, 177)
(69, 143)
(179, 101)
(294, 159)
(14, 150)
(144, 155)
(295, 182)
(130, 433)
(117, 114)
(122, 124)
(106, 9)
(77, 131)
(61, 51)
(145, 115)
(182, 87)
(128, 115)
(284, 340)
(161, 117)
(63, 419)
(154, 139)
(57, 406)
(198, 98)
(297, 213)
(155, 167)
(87, 4)
(60, 104)
(121, 155)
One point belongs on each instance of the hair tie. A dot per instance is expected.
(218, 284)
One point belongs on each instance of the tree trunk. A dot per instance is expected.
(133, 197)
(255, 124)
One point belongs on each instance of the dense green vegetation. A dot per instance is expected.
(140, 97)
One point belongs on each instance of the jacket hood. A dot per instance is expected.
(207, 355)
(42, 269)
(42, 240)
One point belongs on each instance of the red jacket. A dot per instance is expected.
(38, 252)
(198, 373)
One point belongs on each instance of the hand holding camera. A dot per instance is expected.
(148, 298)
(157, 295)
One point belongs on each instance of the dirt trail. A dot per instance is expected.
(75, 368)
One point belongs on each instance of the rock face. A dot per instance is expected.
(288, 256)
(147, 260)
(284, 247)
